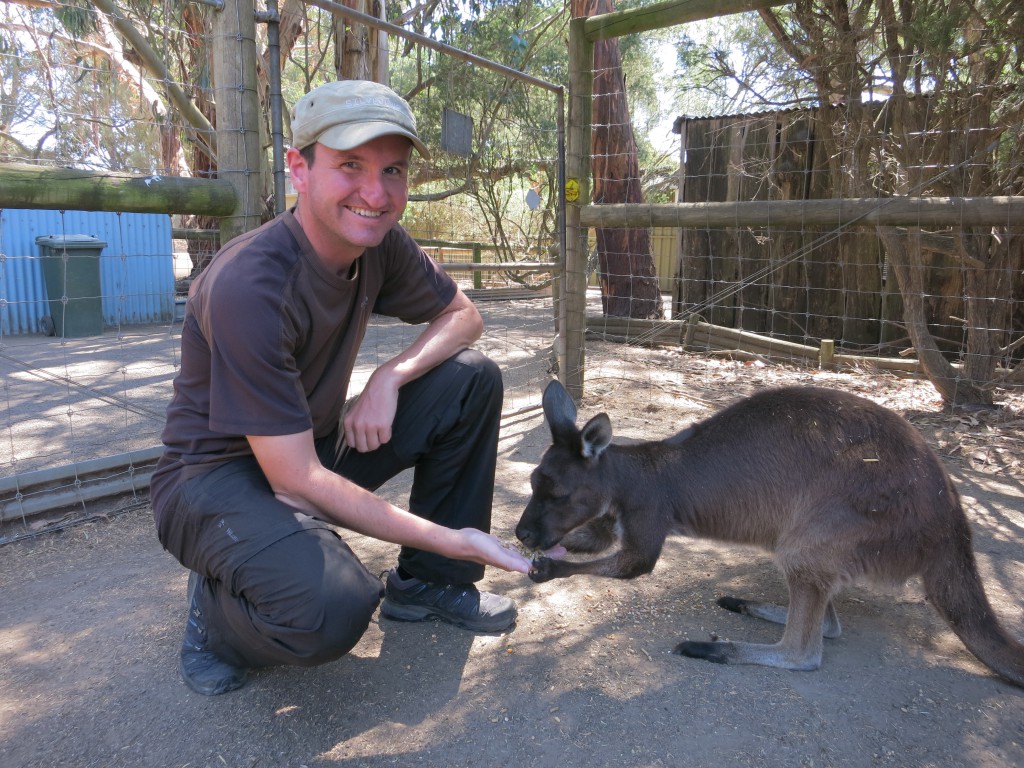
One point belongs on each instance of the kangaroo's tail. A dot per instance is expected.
(954, 587)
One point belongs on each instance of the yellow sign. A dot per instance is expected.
(572, 190)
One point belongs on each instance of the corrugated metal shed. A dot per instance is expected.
(136, 266)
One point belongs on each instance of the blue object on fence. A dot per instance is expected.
(71, 272)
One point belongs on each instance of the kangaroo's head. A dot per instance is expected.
(567, 488)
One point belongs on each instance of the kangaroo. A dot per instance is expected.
(839, 488)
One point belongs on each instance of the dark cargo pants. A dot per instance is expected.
(282, 587)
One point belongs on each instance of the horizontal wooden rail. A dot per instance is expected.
(666, 14)
(62, 189)
(895, 211)
(186, 233)
(519, 266)
(30, 493)
(694, 335)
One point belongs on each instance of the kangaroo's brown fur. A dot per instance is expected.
(839, 488)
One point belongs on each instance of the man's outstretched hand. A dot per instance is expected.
(489, 551)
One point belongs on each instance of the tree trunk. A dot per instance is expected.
(993, 259)
(360, 52)
(202, 160)
(629, 282)
(904, 251)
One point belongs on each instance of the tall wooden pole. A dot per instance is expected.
(573, 322)
(238, 114)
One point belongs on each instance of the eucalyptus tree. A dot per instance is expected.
(70, 94)
(629, 282)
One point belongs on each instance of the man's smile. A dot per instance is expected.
(366, 212)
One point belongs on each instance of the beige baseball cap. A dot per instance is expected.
(347, 113)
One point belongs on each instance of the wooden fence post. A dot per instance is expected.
(239, 156)
(573, 305)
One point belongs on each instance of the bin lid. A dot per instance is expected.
(69, 242)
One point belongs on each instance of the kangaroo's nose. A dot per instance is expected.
(526, 535)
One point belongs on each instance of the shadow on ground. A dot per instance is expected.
(91, 620)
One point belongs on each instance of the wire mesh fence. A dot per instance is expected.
(82, 413)
(879, 225)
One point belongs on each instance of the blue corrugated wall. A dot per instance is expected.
(136, 266)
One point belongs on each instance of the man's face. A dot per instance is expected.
(350, 199)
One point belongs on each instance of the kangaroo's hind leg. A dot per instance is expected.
(801, 644)
(779, 614)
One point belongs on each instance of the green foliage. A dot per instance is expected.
(59, 100)
(92, 113)
(730, 65)
(77, 18)
(514, 142)
(922, 97)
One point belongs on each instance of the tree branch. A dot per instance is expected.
(154, 64)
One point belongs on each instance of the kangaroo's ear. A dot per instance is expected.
(596, 435)
(560, 411)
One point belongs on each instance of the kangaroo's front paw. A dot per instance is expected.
(717, 651)
(542, 570)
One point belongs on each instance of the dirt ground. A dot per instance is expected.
(91, 622)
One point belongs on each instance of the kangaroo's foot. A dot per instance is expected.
(726, 652)
(717, 652)
(779, 614)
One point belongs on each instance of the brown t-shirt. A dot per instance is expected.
(270, 338)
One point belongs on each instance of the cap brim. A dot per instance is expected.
(352, 135)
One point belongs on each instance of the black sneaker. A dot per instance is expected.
(460, 604)
(203, 670)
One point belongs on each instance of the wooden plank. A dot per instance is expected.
(754, 140)
(705, 170)
(999, 210)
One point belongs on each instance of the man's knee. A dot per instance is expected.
(339, 604)
(487, 369)
(487, 390)
(311, 599)
(332, 626)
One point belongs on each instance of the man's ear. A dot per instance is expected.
(297, 169)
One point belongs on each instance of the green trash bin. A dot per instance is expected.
(71, 272)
